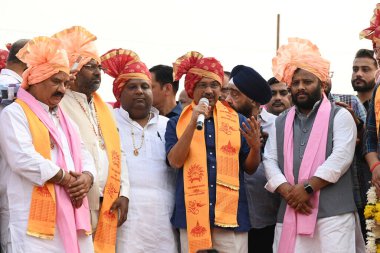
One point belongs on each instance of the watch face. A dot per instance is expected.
(308, 189)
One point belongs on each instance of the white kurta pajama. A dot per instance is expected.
(26, 168)
(148, 227)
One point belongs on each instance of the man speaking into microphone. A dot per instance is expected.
(211, 209)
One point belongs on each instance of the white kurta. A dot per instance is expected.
(25, 168)
(152, 187)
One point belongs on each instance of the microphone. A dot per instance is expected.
(201, 117)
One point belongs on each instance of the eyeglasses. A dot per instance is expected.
(203, 86)
(93, 67)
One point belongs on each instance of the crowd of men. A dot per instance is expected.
(237, 164)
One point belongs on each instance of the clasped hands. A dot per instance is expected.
(77, 186)
(296, 197)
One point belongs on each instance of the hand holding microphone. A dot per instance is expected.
(201, 116)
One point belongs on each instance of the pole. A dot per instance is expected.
(278, 32)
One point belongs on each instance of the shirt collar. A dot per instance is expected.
(125, 115)
(264, 114)
(80, 96)
(9, 72)
(47, 109)
(176, 111)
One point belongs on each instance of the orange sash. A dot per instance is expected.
(377, 110)
(105, 235)
(227, 142)
(42, 215)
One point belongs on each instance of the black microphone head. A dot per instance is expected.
(204, 101)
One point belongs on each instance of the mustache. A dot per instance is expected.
(302, 93)
(359, 79)
(58, 94)
(277, 103)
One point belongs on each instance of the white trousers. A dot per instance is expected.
(337, 234)
(223, 240)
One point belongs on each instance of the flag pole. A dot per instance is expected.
(278, 32)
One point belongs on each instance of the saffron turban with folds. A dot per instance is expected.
(123, 65)
(196, 67)
(79, 45)
(373, 32)
(44, 57)
(299, 53)
(3, 58)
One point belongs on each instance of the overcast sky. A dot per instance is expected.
(234, 32)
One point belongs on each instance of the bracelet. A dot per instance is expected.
(63, 176)
(374, 166)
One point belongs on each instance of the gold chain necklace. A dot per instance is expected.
(136, 149)
(100, 136)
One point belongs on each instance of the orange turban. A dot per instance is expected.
(3, 58)
(196, 67)
(44, 57)
(78, 43)
(373, 32)
(299, 53)
(123, 65)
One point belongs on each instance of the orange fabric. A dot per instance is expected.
(377, 110)
(123, 65)
(299, 53)
(373, 31)
(42, 216)
(3, 58)
(105, 236)
(195, 178)
(196, 67)
(78, 42)
(44, 57)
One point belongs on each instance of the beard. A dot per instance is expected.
(312, 98)
(245, 109)
(367, 87)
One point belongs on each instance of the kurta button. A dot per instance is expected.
(302, 143)
(209, 136)
(212, 185)
(210, 153)
(304, 130)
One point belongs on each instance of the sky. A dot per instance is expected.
(234, 32)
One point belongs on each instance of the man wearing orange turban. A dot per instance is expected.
(99, 132)
(142, 132)
(47, 184)
(211, 208)
(308, 159)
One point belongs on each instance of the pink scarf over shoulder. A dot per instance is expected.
(315, 154)
(69, 219)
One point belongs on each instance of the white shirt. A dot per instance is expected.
(25, 168)
(148, 227)
(344, 134)
(8, 77)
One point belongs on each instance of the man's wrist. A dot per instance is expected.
(91, 177)
(308, 188)
(373, 167)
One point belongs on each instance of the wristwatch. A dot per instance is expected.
(308, 188)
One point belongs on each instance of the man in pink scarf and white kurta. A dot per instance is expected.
(48, 170)
(308, 160)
